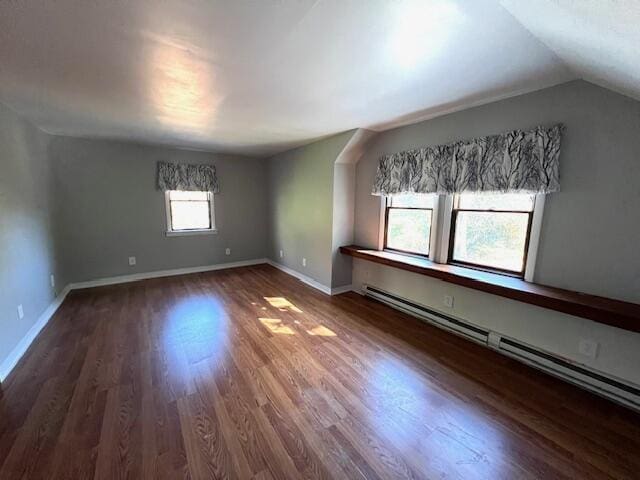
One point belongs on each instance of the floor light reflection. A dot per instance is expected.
(282, 304)
(321, 331)
(275, 326)
(195, 328)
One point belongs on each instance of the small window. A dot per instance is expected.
(189, 212)
(491, 231)
(408, 220)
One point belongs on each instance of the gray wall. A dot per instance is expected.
(301, 206)
(110, 209)
(26, 218)
(591, 228)
(590, 232)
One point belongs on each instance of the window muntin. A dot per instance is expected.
(189, 211)
(491, 231)
(408, 223)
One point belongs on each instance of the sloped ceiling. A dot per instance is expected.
(260, 76)
(598, 39)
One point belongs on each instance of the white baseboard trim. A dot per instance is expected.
(23, 345)
(164, 273)
(310, 281)
(303, 278)
(343, 289)
(19, 350)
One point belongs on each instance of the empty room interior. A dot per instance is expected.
(337, 239)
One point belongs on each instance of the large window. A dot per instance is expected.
(408, 223)
(491, 231)
(189, 212)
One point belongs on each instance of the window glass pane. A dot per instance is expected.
(492, 239)
(498, 201)
(413, 201)
(190, 215)
(176, 195)
(409, 230)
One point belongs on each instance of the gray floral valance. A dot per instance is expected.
(514, 162)
(182, 176)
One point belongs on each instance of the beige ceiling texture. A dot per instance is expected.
(259, 76)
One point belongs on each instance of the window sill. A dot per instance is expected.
(608, 311)
(187, 233)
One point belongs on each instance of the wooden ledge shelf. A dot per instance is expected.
(616, 313)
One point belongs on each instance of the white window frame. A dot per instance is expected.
(170, 232)
(441, 231)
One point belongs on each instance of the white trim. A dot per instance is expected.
(23, 345)
(303, 278)
(445, 229)
(186, 233)
(164, 273)
(382, 222)
(534, 237)
(170, 232)
(340, 290)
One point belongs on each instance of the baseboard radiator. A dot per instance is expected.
(611, 388)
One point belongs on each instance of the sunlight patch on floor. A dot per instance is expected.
(275, 326)
(282, 304)
(321, 331)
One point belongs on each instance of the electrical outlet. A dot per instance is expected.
(281, 254)
(227, 251)
(588, 348)
(304, 262)
(52, 279)
(132, 261)
(448, 301)
(20, 312)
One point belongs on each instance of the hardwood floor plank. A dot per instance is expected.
(249, 374)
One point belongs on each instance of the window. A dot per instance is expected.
(408, 220)
(491, 231)
(189, 212)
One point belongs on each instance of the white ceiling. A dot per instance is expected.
(260, 76)
(598, 39)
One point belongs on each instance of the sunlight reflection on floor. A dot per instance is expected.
(275, 325)
(199, 322)
(424, 420)
(321, 331)
(282, 304)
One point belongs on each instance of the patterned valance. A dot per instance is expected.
(182, 176)
(513, 162)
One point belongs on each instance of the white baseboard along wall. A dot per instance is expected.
(9, 363)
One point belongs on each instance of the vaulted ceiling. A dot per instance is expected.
(260, 76)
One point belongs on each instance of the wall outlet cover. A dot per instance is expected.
(448, 301)
(132, 261)
(52, 279)
(227, 251)
(304, 262)
(281, 254)
(20, 312)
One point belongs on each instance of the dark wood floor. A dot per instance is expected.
(248, 373)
